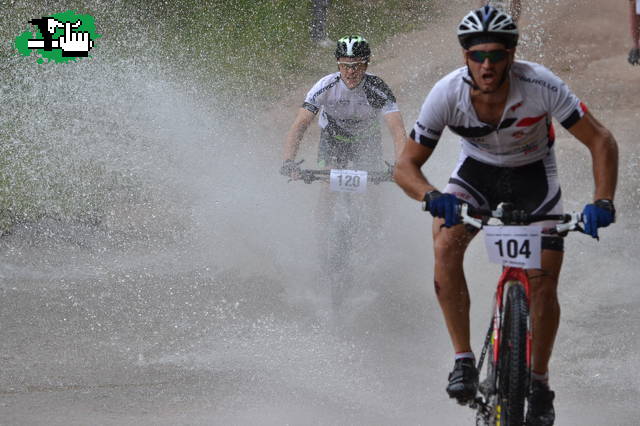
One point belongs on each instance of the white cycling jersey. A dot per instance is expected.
(350, 113)
(637, 7)
(525, 133)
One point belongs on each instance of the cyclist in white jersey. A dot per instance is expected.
(502, 110)
(634, 26)
(350, 103)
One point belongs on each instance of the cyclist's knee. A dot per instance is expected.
(450, 243)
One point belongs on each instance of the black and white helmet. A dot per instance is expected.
(487, 24)
(353, 47)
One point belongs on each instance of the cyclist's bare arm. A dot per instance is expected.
(407, 172)
(604, 154)
(296, 132)
(396, 129)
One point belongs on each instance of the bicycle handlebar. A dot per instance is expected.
(509, 216)
(308, 176)
(375, 177)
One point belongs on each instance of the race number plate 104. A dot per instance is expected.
(348, 180)
(517, 246)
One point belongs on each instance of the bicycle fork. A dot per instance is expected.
(487, 404)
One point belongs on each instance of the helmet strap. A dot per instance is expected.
(505, 75)
(470, 81)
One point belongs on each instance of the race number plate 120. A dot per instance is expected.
(517, 246)
(348, 180)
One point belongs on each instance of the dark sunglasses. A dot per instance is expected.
(494, 56)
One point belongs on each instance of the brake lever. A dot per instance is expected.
(573, 224)
(469, 220)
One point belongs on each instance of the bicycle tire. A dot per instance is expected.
(513, 372)
(337, 239)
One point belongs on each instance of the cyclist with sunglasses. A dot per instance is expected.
(502, 109)
(350, 102)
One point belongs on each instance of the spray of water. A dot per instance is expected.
(156, 270)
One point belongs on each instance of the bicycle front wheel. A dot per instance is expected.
(513, 372)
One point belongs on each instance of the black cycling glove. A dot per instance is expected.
(289, 167)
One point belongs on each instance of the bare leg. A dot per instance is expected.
(450, 245)
(545, 309)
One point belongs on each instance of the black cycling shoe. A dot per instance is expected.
(540, 410)
(463, 381)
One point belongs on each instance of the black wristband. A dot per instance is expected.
(606, 205)
(428, 197)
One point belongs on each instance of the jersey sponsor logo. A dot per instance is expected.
(325, 88)
(519, 134)
(434, 132)
(462, 195)
(539, 82)
(420, 125)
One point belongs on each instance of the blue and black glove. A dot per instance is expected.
(443, 205)
(598, 215)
